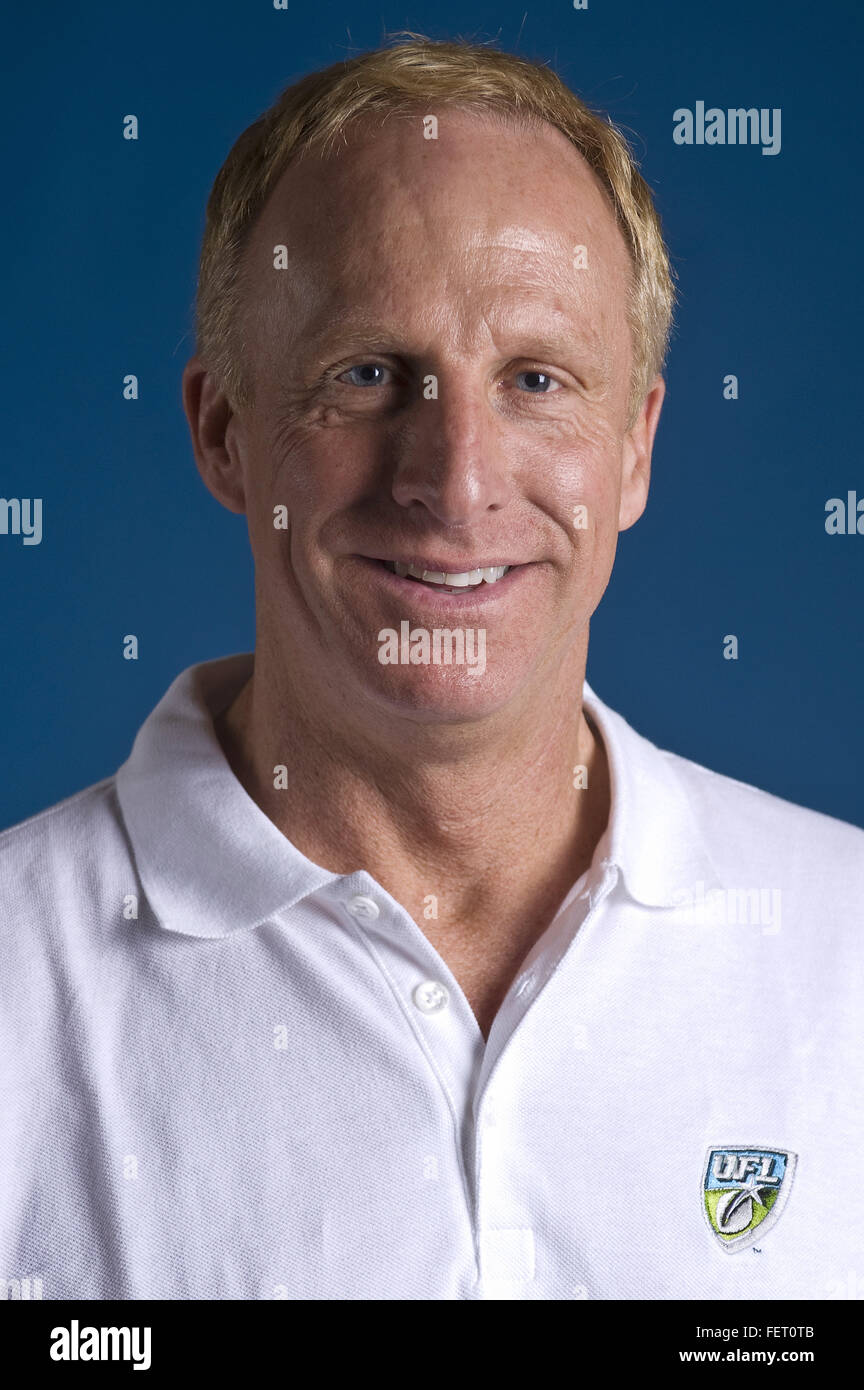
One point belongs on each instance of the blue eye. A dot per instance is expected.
(365, 377)
(536, 385)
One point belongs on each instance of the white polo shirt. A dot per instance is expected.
(230, 1074)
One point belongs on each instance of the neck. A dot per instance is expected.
(484, 815)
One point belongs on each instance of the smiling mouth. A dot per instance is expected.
(449, 583)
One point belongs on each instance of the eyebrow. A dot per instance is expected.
(355, 331)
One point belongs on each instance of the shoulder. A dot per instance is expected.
(52, 861)
(745, 828)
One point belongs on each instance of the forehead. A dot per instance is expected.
(487, 210)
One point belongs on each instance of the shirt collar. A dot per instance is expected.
(654, 835)
(212, 863)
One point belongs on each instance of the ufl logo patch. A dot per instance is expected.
(744, 1190)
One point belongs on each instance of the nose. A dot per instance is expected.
(451, 456)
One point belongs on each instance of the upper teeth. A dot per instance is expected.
(488, 575)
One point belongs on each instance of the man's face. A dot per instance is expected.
(439, 382)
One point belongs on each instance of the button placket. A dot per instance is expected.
(414, 971)
(535, 976)
(506, 1236)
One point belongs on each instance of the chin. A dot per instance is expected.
(439, 694)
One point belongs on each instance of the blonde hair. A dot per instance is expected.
(313, 113)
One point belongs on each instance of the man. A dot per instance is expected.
(398, 965)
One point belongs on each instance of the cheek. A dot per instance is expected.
(581, 492)
(300, 471)
(605, 493)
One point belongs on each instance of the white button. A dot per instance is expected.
(430, 997)
(526, 983)
(364, 907)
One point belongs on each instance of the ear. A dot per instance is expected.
(217, 440)
(638, 443)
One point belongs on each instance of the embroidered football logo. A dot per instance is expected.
(744, 1189)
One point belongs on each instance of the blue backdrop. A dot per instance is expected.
(99, 252)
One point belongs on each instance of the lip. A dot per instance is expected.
(436, 565)
(424, 596)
